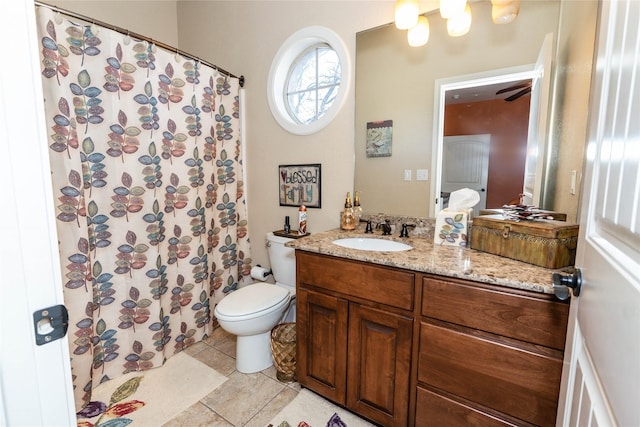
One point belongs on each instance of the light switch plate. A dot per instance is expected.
(422, 174)
(407, 174)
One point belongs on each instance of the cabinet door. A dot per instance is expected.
(379, 365)
(322, 344)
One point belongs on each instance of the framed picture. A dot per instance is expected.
(300, 185)
(379, 138)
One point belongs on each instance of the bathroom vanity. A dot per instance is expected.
(432, 336)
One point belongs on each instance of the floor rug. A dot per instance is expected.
(310, 410)
(150, 398)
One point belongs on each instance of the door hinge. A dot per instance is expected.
(50, 323)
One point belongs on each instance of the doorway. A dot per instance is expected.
(490, 81)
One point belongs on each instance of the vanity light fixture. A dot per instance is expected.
(456, 12)
(418, 35)
(406, 13)
(459, 25)
(504, 11)
(451, 8)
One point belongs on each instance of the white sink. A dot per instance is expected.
(372, 244)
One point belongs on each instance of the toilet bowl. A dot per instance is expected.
(253, 310)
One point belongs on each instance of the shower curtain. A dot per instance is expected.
(146, 164)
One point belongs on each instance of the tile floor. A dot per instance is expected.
(250, 400)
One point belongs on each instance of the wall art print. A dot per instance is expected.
(300, 185)
(379, 138)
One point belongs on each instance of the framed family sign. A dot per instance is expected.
(300, 185)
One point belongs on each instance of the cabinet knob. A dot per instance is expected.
(562, 283)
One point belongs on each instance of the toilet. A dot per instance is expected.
(253, 310)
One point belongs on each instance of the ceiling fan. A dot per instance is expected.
(522, 88)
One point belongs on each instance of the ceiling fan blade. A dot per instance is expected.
(518, 94)
(514, 87)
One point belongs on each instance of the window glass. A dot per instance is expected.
(308, 80)
(313, 83)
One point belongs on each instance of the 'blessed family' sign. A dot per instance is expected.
(299, 185)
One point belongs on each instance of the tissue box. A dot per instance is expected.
(452, 228)
(546, 243)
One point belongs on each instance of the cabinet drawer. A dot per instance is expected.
(374, 283)
(507, 379)
(535, 319)
(434, 410)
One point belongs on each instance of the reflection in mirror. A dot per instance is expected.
(396, 82)
(481, 141)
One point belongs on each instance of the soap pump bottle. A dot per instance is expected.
(357, 209)
(348, 218)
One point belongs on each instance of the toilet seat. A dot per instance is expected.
(251, 300)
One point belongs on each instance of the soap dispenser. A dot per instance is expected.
(357, 209)
(348, 221)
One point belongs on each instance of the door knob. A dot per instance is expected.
(562, 283)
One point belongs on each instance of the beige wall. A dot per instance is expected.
(572, 80)
(154, 19)
(244, 36)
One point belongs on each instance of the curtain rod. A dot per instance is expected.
(139, 37)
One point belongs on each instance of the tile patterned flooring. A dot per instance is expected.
(250, 400)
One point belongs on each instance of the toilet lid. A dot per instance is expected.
(251, 299)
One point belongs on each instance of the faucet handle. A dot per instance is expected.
(405, 232)
(369, 227)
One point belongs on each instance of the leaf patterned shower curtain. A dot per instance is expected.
(147, 170)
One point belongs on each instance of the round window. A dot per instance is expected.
(308, 81)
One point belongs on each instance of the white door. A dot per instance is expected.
(537, 135)
(35, 381)
(465, 164)
(601, 382)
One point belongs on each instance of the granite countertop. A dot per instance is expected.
(427, 257)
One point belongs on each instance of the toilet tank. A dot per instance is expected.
(282, 260)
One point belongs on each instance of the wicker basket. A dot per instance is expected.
(283, 348)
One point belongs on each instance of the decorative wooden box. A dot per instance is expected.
(547, 243)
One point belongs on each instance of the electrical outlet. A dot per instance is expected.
(407, 174)
(574, 178)
(422, 174)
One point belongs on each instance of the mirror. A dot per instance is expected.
(396, 83)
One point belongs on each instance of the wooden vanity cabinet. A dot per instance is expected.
(488, 355)
(403, 348)
(354, 335)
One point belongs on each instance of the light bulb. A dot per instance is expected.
(450, 8)
(459, 25)
(505, 12)
(406, 13)
(418, 35)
